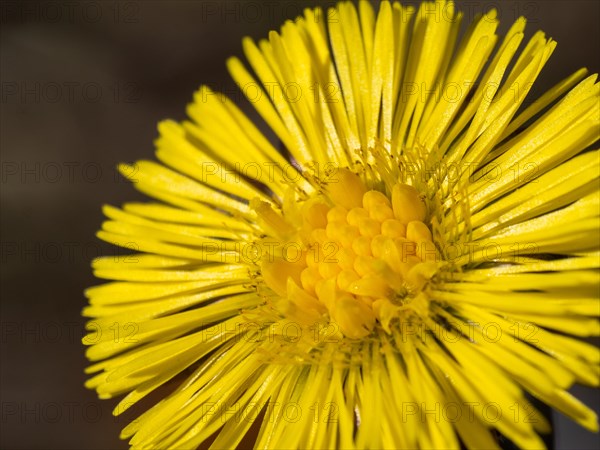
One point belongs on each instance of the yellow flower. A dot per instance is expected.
(420, 253)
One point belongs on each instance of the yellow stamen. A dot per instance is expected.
(346, 189)
(408, 204)
(270, 220)
(277, 272)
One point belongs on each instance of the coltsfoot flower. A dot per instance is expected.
(421, 251)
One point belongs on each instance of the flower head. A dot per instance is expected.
(420, 253)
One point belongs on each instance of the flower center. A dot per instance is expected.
(362, 257)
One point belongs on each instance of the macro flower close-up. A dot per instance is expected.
(401, 251)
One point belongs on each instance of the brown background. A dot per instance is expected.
(83, 86)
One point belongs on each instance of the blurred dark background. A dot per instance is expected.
(83, 86)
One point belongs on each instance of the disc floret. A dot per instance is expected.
(365, 255)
